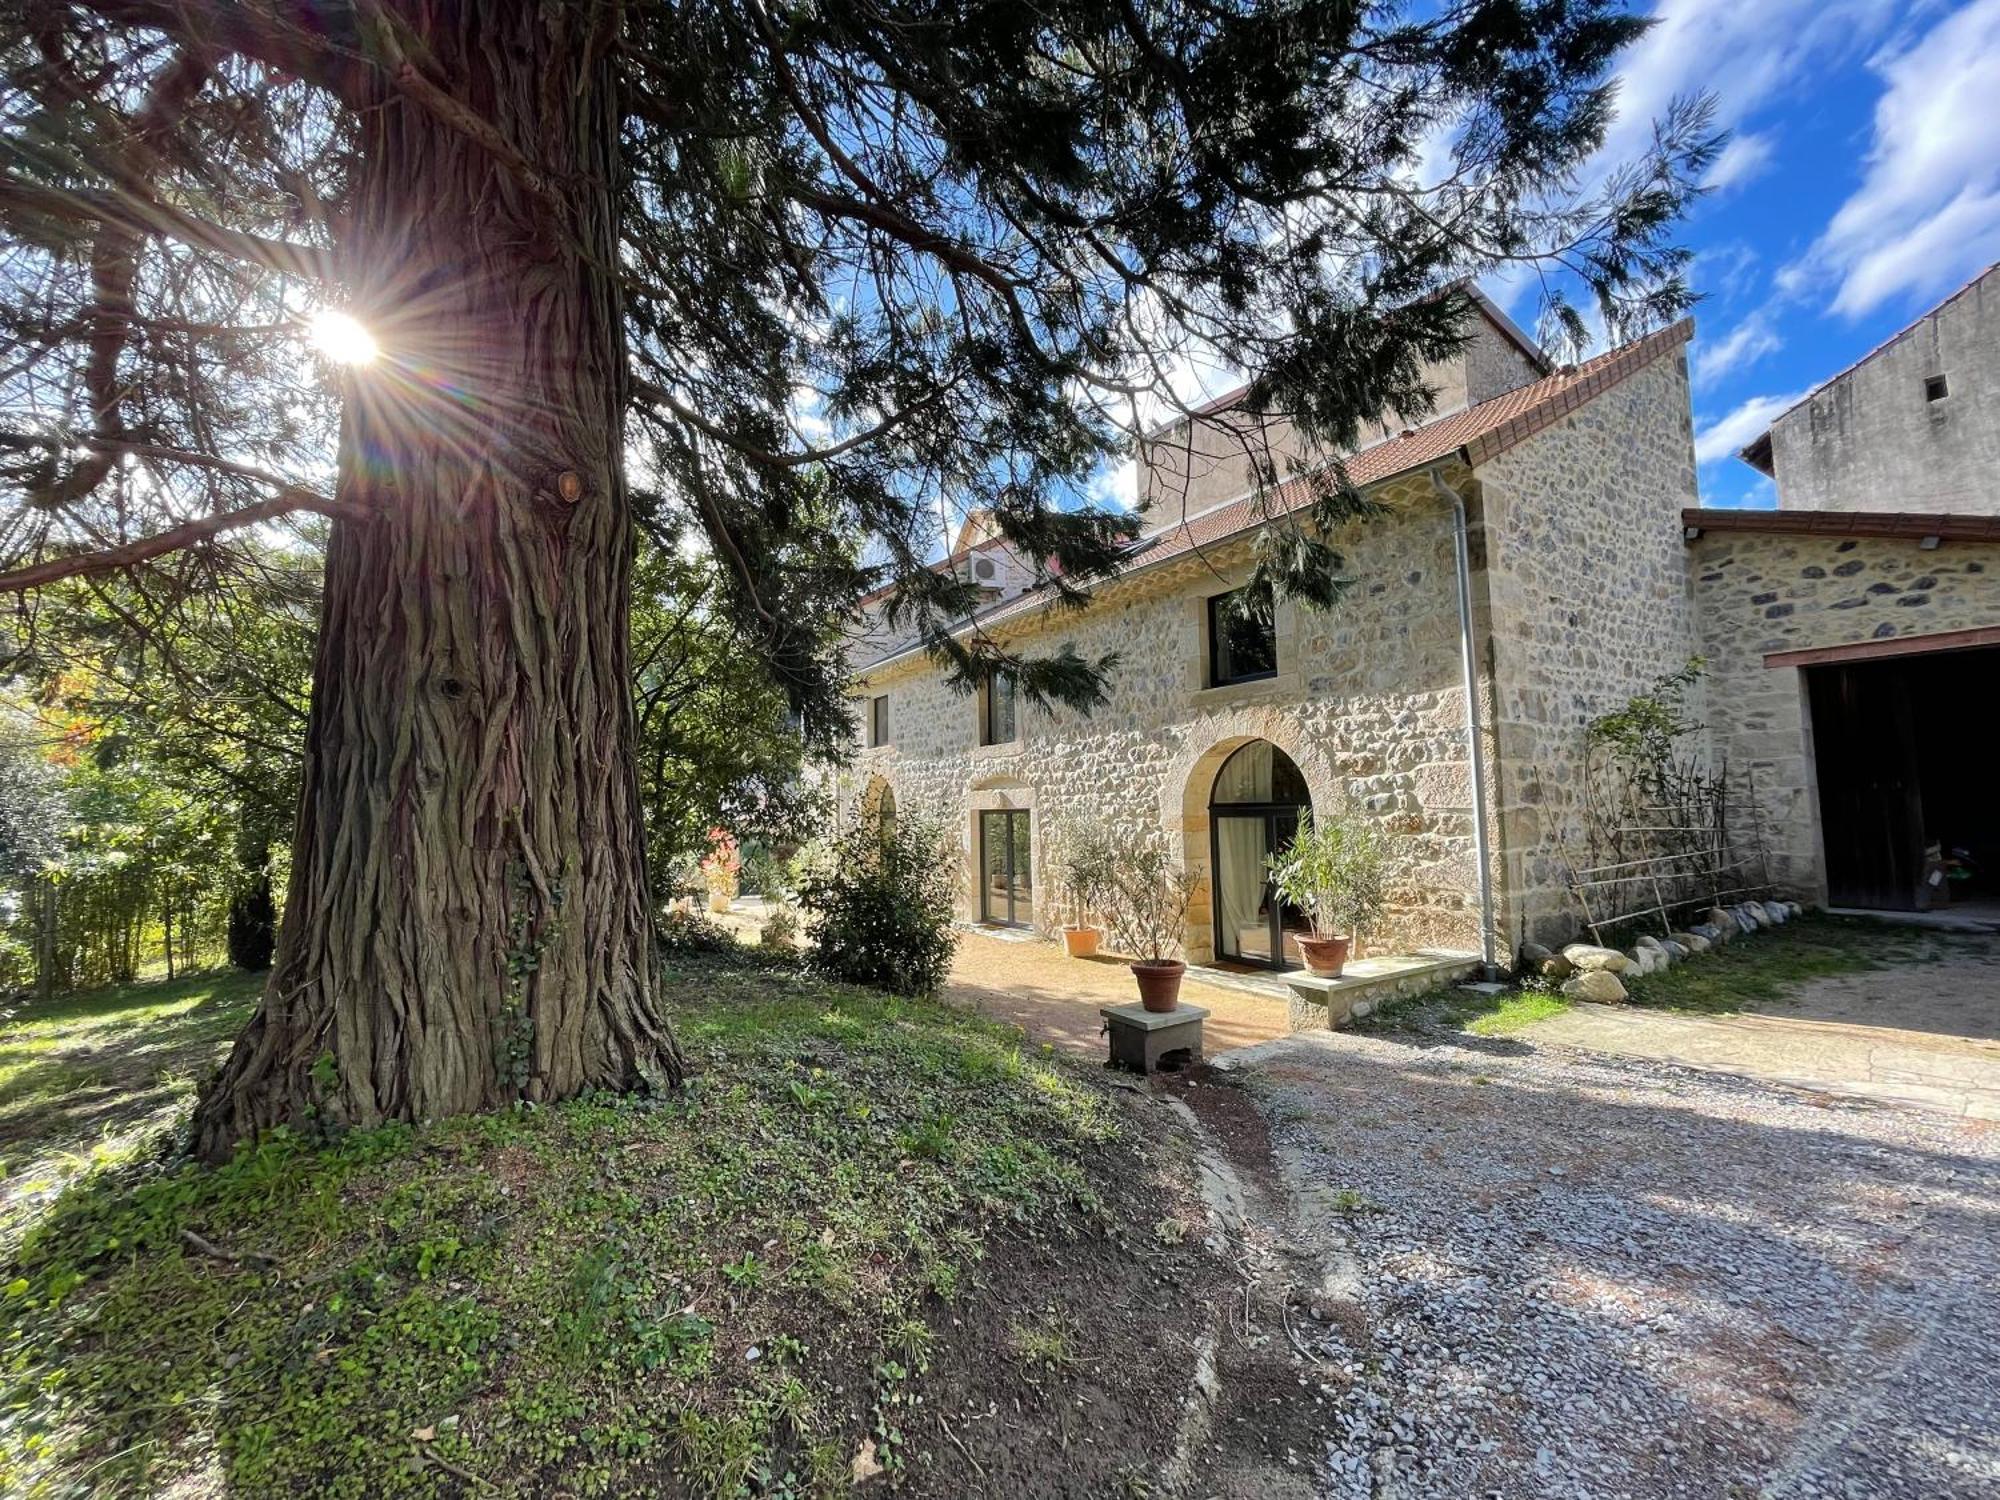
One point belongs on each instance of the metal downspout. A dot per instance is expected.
(1474, 747)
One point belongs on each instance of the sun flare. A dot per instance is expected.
(342, 340)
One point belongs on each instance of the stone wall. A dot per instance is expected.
(1760, 593)
(1367, 702)
(1872, 439)
(1588, 601)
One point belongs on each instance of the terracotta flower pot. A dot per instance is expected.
(1324, 955)
(1079, 942)
(1159, 982)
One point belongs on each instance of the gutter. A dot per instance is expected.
(1475, 748)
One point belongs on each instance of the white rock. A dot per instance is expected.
(1599, 985)
(1588, 956)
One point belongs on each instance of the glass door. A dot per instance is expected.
(1254, 925)
(1006, 884)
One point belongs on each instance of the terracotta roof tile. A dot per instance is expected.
(1480, 432)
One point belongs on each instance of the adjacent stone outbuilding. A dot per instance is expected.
(1854, 673)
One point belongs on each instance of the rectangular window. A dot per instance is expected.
(1936, 388)
(878, 721)
(1242, 637)
(996, 720)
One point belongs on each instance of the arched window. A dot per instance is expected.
(1254, 810)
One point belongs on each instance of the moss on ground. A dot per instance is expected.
(720, 1292)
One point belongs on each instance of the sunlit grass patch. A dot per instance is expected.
(714, 1286)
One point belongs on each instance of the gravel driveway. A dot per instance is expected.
(1546, 1272)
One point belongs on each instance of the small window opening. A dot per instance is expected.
(1936, 388)
(878, 720)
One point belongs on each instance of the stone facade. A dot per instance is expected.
(1367, 703)
(1588, 603)
(1581, 599)
(1761, 593)
(1915, 426)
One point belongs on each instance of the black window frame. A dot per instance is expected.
(989, 698)
(1217, 603)
(878, 721)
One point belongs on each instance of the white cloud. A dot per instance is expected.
(1745, 158)
(1115, 486)
(1722, 437)
(1745, 344)
(1927, 213)
(1745, 52)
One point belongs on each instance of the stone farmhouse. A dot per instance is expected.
(1542, 558)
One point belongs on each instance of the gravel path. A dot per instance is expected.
(1556, 1273)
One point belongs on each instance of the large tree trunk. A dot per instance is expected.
(468, 921)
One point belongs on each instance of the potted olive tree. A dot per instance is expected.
(1086, 858)
(1335, 871)
(1150, 891)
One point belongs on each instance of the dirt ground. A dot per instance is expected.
(1055, 998)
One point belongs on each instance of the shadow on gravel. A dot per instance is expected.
(1587, 1274)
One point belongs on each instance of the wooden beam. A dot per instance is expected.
(1898, 645)
(1908, 525)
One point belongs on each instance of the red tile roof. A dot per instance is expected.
(1478, 433)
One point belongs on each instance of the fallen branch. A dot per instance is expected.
(233, 1257)
(476, 1480)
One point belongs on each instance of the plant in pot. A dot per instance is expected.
(1150, 891)
(720, 868)
(1086, 858)
(1335, 871)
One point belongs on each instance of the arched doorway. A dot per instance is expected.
(1253, 811)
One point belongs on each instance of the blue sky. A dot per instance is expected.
(1861, 188)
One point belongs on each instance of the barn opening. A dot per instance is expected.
(1906, 749)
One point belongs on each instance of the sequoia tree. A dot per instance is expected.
(786, 274)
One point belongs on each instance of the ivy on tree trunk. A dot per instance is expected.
(468, 921)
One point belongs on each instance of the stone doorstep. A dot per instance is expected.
(1321, 1002)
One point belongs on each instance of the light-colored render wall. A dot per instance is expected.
(1192, 466)
(1869, 440)
(1588, 602)
(1367, 702)
(1761, 593)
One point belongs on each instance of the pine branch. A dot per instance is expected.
(188, 534)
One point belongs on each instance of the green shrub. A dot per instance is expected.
(879, 906)
(691, 932)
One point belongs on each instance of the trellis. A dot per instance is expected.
(1698, 842)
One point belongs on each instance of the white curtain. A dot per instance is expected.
(1246, 775)
(1241, 850)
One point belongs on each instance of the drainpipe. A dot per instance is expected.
(1474, 748)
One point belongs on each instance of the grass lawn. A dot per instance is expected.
(872, 1236)
(1750, 972)
(1450, 1009)
(1764, 967)
(88, 1079)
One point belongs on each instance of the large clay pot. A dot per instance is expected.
(1159, 982)
(1324, 955)
(1079, 942)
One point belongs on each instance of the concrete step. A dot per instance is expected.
(1323, 1002)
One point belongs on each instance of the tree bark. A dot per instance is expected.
(468, 922)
